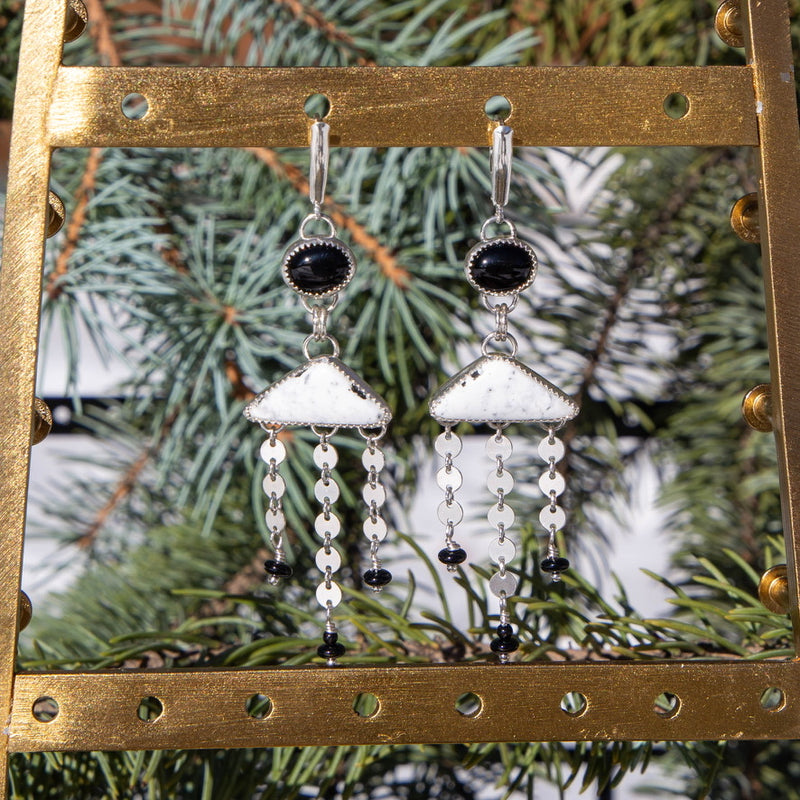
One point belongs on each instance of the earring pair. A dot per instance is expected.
(326, 395)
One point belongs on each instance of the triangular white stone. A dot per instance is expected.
(498, 388)
(324, 391)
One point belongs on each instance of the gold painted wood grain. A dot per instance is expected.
(769, 47)
(406, 106)
(20, 298)
(314, 706)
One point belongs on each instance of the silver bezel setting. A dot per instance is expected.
(304, 244)
(455, 384)
(353, 377)
(485, 244)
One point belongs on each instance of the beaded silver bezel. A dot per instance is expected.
(364, 390)
(458, 383)
(304, 244)
(485, 244)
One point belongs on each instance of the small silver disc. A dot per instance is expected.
(453, 479)
(550, 519)
(500, 585)
(269, 451)
(555, 484)
(325, 560)
(447, 443)
(375, 460)
(555, 449)
(332, 526)
(505, 550)
(375, 528)
(450, 513)
(331, 491)
(503, 482)
(275, 519)
(332, 595)
(499, 446)
(498, 517)
(326, 454)
(374, 494)
(274, 485)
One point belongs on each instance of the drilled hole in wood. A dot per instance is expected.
(469, 704)
(773, 699)
(258, 706)
(135, 106)
(45, 709)
(150, 709)
(574, 704)
(366, 705)
(667, 705)
(497, 108)
(676, 105)
(317, 106)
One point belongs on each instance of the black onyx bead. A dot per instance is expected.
(502, 266)
(330, 651)
(377, 577)
(318, 267)
(277, 568)
(505, 645)
(457, 556)
(330, 637)
(504, 631)
(554, 564)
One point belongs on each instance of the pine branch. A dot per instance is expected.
(83, 194)
(100, 31)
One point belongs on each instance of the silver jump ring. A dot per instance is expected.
(333, 302)
(326, 338)
(512, 228)
(317, 218)
(324, 434)
(493, 307)
(493, 337)
(370, 436)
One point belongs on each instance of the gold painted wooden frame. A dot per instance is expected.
(58, 106)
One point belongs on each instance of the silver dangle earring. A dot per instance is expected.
(322, 394)
(498, 390)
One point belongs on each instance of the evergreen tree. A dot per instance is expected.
(178, 250)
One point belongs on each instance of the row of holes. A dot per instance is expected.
(469, 704)
(317, 106)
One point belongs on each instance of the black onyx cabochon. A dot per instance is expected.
(318, 266)
(501, 266)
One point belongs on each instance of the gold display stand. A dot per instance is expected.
(58, 106)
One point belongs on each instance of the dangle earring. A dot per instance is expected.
(323, 394)
(498, 390)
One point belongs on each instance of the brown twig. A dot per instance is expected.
(121, 491)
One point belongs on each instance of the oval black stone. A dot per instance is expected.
(554, 564)
(457, 556)
(503, 265)
(318, 267)
(330, 637)
(377, 577)
(506, 645)
(277, 568)
(330, 651)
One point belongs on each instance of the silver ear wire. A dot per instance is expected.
(502, 147)
(318, 170)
